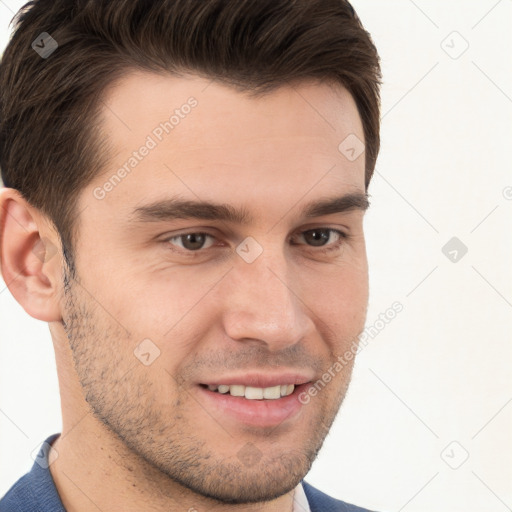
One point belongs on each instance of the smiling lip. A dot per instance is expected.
(260, 413)
(259, 380)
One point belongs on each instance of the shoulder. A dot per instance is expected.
(35, 491)
(18, 495)
(321, 502)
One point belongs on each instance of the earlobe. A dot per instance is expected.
(29, 257)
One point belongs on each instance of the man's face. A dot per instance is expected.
(165, 307)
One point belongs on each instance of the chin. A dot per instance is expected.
(249, 486)
(235, 483)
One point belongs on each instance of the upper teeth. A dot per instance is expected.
(254, 393)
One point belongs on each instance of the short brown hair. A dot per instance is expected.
(50, 147)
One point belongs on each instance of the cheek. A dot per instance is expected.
(340, 296)
(339, 308)
(156, 300)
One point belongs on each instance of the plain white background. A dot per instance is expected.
(426, 423)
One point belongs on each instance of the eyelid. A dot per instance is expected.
(333, 246)
(197, 232)
(342, 237)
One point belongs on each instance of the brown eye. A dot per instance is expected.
(317, 237)
(190, 241)
(326, 240)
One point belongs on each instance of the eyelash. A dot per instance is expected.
(343, 237)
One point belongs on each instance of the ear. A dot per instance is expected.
(30, 261)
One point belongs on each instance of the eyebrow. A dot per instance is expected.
(176, 208)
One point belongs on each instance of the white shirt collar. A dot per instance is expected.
(300, 502)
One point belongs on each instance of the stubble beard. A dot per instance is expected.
(164, 447)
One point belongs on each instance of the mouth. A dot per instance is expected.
(255, 401)
(252, 392)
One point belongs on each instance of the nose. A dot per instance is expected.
(262, 303)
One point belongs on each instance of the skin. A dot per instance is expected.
(139, 437)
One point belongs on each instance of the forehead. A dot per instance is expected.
(143, 94)
(206, 137)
